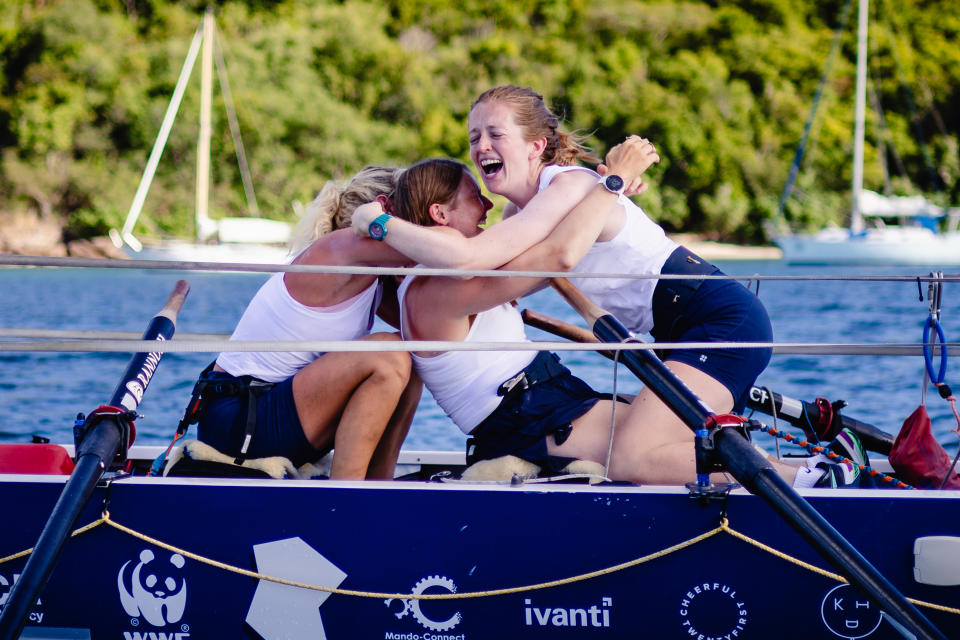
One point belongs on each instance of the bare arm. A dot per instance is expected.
(561, 251)
(339, 248)
(498, 244)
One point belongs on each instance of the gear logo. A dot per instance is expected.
(413, 606)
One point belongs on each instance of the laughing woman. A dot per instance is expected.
(531, 420)
(302, 404)
(521, 152)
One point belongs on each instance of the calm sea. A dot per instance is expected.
(41, 393)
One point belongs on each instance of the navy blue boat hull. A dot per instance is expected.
(395, 538)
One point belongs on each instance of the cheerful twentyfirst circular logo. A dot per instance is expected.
(712, 609)
(155, 590)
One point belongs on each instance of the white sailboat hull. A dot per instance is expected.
(178, 251)
(914, 246)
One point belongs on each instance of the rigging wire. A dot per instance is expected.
(808, 125)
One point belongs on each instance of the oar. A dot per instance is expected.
(753, 470)
(759, 399)
(95, 452)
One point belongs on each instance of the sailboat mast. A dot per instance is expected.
(856, 218)
(203, 141)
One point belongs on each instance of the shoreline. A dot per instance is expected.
(710, 250)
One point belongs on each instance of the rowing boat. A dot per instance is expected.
(431, 556)
(181, 557)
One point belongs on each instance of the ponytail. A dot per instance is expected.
(333, 207)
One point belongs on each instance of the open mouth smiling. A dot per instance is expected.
(489, 166)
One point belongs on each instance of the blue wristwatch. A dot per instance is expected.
(378, 228)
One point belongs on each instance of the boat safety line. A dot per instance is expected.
(219, 345)
(98, 334)
(723, 528)
(171, 265)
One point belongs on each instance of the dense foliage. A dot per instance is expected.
(324, 88)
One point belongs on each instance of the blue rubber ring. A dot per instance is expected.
(928, 356)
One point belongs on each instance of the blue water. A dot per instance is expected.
(41, 393)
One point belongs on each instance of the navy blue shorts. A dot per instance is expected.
(525, 417)
(278, 431)
(712, 311)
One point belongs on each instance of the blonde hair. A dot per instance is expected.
(333, 207)
(537, 121)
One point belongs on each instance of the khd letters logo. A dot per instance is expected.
(155, 590)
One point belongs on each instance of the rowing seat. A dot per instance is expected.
(511, 468)
(46, 459)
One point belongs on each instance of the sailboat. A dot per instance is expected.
(232, 239)
(884, 230)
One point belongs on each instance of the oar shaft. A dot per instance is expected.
(94, 454)
(757, 474)
(753, 470)
(140, 370)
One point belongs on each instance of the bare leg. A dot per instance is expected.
(383, 465)
(347, 399)
(651, 444)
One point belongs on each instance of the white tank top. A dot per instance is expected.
(641, 247)
(465, 383)
(273, 314)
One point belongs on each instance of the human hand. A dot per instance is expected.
(629, 160)
(364, 215)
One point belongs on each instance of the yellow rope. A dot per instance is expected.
(724, 527)
(413, 596)
(83, 529)
(800, 563)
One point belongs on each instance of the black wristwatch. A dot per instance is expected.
(613, 184)
(378, 228)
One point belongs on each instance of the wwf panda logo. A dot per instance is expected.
(155, 590)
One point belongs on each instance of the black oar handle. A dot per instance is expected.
(753, 470)
(94, 453)
(809, 413)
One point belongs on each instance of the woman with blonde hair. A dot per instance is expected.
(301, 404)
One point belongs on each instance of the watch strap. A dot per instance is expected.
(378, 227)
(613, 183)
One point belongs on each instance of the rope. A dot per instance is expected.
(808, 125)
(815, 449)
(76, 532)
(724, 527)
(218, 345)
(172, 265)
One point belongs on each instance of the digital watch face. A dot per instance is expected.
(613, 183)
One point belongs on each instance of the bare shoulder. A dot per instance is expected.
(577, 177)
(345, 248)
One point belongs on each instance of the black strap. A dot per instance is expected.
(255, 388)
(208, 388)
(191, 414)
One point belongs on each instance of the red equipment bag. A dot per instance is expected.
(918, 458)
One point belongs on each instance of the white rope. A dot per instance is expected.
(220, 345)
(169, 265)
(97, 334)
